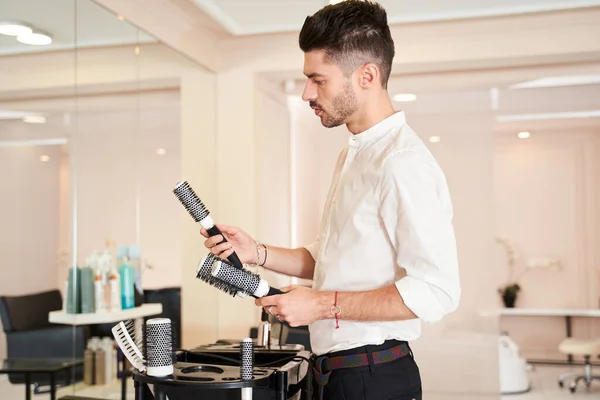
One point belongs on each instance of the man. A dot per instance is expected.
(385, 257)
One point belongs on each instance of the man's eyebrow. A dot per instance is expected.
(314, 75)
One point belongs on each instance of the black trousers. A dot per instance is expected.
(396, 380)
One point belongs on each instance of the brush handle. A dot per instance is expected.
(273, 291)
(233, 258)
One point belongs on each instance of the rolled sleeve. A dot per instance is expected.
(313, 249)
(417, 214)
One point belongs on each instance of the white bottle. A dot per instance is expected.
(99, 293)
(107, 346)
(115, 291)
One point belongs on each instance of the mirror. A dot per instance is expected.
(90, 149)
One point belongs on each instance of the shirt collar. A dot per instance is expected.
(394, 121)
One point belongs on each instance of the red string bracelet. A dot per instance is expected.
(335, 310)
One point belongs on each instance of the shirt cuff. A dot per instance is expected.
(428, 304)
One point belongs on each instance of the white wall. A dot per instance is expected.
(546, 202)
(271, 160)
(124, 189)
(199, 301)
(29, 205)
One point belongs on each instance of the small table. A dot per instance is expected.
(30, 366)
(567, 313)
(136, 313)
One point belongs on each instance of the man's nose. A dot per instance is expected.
(310, 92)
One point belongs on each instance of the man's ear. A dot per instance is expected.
(368, 75)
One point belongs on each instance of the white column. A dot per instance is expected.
(199, 312)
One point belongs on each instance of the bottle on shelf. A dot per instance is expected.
(88, 363)
(115, 291)
(126, 276)
(99, 366)
(87, 288)
(74, 291)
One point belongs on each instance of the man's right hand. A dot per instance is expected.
(237, 240)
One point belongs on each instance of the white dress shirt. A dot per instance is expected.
(387, 220)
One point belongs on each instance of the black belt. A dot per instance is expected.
(323, 365)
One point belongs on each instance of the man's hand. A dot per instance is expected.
(303, 306)
(237, 240)
(298, 306)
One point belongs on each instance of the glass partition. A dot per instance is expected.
(89, 154)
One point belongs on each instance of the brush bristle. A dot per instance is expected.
(242, 279)
(191, 201)
(137, 335)
(205, 274)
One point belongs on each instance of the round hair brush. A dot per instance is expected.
(231, 280)
(194, 206)
(204, 273)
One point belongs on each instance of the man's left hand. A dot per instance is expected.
(298, 306)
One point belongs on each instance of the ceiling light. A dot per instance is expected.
(8, 114)
(122, 18)
(523, 135)
(33, 142)
(44, 158)
(14, 28)
(161, 152)
(558, 81)
(435, 139)
(34, 119)
(405, 97)
(552, 115)
(36, 39)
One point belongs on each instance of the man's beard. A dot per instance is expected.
(342, 107)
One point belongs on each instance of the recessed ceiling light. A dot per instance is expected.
(36, 39)
(14, 28)
(44, 158)
(122, 18)
(523, 135)
(404, 97)
(435, 139)
(161, 152)
(34, 119)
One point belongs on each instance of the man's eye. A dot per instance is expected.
(319, 82)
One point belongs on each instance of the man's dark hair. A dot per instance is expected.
(351, 33)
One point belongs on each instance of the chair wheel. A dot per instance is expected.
(561, 384)
(572, 389)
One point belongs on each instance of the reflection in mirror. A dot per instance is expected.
(37, 86)
(89, 152)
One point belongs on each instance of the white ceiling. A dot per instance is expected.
(70, 27)
(245, 17)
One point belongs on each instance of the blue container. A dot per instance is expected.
(127, 290)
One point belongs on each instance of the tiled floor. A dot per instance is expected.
(543, 382)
